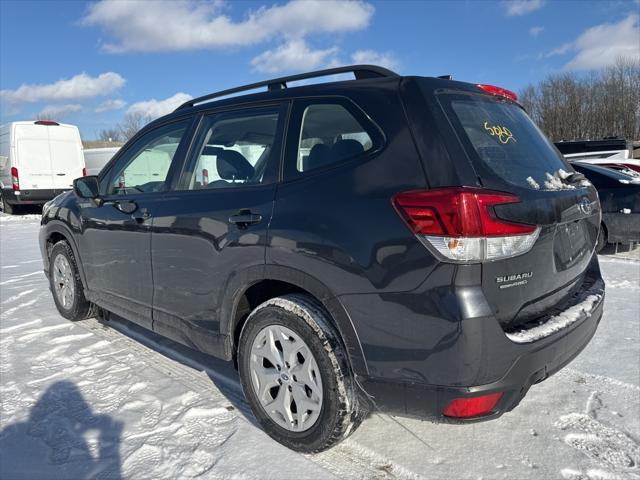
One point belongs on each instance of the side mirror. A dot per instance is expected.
(87, 187)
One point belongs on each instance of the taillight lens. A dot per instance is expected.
(472, 407)
(15, 180)
(499, 91)
(84, 171)
(461, 225)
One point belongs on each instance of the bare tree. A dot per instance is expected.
(132, 123)
(569, 106)
(110, 135)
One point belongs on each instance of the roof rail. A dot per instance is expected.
(359, 71)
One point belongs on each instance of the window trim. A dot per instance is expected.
(289, 171)
(107, 174)
(282, 107)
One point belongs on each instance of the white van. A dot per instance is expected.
(96, 158)
(38, 160)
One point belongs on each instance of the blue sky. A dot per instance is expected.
(90, 63)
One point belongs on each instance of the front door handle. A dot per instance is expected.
(244, 218)
(125, 206)
(141, 215)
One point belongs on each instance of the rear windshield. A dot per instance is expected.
(503, 141)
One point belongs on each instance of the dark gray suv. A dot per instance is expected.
(404, 243)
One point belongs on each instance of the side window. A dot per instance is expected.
(234, 150)
(144, 168)
(329, 134)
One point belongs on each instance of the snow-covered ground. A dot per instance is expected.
(81, 400)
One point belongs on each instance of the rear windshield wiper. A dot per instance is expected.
(575, 177)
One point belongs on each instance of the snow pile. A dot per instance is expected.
(533, 184)
(556, 181)
(558, 322)
(18, 218)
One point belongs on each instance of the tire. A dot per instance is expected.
(602, 239)
(76, 306)
(341, 410)
(7, 208)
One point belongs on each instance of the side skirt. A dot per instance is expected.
(186, 333)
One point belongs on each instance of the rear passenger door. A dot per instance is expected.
(213, 225)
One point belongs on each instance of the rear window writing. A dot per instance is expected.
(503, 141)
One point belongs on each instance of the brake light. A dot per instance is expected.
(84, 171)
(49, 123)
(460, 223)
(499, 91)
(15, 180)
(472, 407)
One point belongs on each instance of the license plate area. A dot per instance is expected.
(570, 245)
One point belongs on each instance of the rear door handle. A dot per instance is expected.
(244, 218)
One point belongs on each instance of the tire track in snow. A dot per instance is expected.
(19, 278)
(18, 295)
(347, 460)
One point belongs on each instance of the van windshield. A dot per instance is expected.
(504, 142)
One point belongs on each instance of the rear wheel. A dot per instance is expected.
(295, 375)
(66, 286)
(602, 239)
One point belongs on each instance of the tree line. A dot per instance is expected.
(604, 103)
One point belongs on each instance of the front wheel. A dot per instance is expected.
(295, 374)
(66, 286)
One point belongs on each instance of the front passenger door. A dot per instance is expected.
(115, 245)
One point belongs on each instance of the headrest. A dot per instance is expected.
(344, 149)
(318, 156)
(233, 166)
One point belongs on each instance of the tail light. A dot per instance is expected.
(205, 176)
(472, 407)
(461, 225)
(15, 180)
(499, 91)
(84, 171)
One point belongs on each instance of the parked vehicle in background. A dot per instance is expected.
(620, 200)
(38, 160)
(615, 153)
(96, 158)
(412, 242)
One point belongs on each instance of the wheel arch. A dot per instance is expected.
(56, 231)
(256, 285)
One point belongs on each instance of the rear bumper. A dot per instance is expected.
(435, 360)
(428, 401)
(622, 227)
(31, 197)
